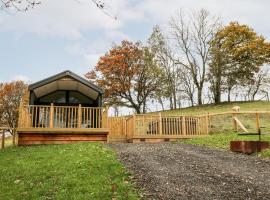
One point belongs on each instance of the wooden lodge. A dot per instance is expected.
(66, 108)
(63, 108)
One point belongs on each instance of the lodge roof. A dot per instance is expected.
(65, 74)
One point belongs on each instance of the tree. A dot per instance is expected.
(192, 34)
(10, 97)
(165, 59)
(237, 53)
(129, 75)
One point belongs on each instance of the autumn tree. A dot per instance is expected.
(129, 75)
(237, 52)
(192, 35)
(10, 97)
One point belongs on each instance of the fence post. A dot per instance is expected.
(51, 115)
(184, 126)
(257, 122)
(134, 124)
(14, 137)
(3, 139)
(79, 116)
(160, 124)
(207, 124)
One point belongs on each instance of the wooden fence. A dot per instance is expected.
(243, 121)
(145, 125)
(7, 140)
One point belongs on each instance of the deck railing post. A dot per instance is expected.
(160, 124)
(51, 115)
(105, 118)
(79, 116)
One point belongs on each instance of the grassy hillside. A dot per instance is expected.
(74, 171)
(224, 107)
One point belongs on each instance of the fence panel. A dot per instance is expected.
(117, 127)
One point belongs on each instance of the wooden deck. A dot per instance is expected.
(30, 136)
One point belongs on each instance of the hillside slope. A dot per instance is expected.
(224, 107)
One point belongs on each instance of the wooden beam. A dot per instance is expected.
(240, 124)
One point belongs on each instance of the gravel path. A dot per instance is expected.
(180, 171)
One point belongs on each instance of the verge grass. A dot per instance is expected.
(72, 171)
(222, 140)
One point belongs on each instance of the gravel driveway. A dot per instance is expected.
(180, 171)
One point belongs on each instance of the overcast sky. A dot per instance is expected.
(72, 34)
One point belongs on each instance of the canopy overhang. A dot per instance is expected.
(66, 80)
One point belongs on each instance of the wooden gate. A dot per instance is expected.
(117, 127)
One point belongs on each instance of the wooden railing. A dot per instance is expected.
(140, 125)
(38, 116)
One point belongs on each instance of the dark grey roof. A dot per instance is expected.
(64, 74)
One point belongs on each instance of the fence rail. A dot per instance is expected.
(159, 125)
(39, 116)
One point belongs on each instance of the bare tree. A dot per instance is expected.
(165, 59)
(187, 86)
(193, 34)
(259, 80)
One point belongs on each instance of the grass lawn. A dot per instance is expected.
(222, 140)
(8, 142)
(73, 171)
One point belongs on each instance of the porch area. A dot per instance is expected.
(42, 124)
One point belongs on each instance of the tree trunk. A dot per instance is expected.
(217, 97)
(229, 95)
(199, 96)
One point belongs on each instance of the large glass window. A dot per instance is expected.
(55, 97)
(65, 97)
(76, 98)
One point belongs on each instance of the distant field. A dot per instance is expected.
(73, 171)
(224, 107)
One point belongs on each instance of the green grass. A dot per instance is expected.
(8, 142)
(223, 107)
(74, 171)
(222, 141)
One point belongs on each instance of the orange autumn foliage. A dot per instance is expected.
(11, 95)
(127, 73)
